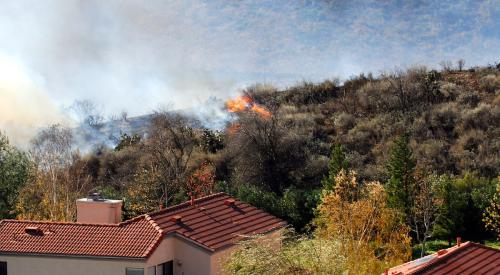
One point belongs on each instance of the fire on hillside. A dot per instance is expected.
(244, 103)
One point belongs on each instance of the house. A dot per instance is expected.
(190, 238)
(466, 258)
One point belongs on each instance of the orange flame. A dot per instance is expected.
(243, 103)
(239, 104)
(263, 112)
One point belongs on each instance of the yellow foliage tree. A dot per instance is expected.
(372, 235)
(356, 234)
(35, 202)
(492, 214)
(142, 194)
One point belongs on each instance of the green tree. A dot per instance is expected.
(14, 172)
(337, 163)
(454, 202)
(465, 199)
(477, 193)
(401, 168)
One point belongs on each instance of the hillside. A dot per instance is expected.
(276, 151)
(452, 117)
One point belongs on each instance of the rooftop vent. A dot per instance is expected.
(229, 202)
(33, 230)
(176, 218)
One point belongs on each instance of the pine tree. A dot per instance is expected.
(337, 163)
(401, 168)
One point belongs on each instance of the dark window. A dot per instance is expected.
(134, 271)
(168, 268)
(3, 268)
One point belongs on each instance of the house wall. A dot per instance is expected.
(26, 265)
(163, 253)
(188, 258)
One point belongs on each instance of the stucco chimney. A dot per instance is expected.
(95, 209)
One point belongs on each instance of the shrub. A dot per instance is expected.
(449, 90)
(482, 117)
(344, 122)
(490, 83)
(298, 255)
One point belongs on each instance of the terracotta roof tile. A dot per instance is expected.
(135, 238)
(210, 223)
(468, 258)
(215, 224)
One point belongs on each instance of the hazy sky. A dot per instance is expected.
(137, 55)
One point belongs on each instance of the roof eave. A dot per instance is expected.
(103, 257)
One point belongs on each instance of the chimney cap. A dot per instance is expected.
(95, 196)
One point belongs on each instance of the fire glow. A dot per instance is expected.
(244, 103)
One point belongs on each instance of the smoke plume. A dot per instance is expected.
(24, 106)
(138, 55)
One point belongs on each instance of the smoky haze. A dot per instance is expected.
(139, 55)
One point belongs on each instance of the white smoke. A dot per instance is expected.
(24, 105)
(137, 55)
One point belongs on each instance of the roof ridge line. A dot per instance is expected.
(158, 239)
(187, 203)
(153, 223)
(62, 223)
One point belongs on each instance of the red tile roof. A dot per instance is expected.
(216, 221)
(213, 223)
(135, 238)
(468, 258)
